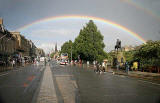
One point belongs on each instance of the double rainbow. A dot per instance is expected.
(88, 18)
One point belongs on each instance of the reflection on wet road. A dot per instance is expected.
(19, 86)
(73, 84)
(109, 88)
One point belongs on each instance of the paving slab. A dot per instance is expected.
(47, 93)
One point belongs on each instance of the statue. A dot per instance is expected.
(118, 45)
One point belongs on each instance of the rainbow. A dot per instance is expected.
(88, 18)
(142, 8)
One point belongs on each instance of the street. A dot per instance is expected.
(19, 86)
(73, 84)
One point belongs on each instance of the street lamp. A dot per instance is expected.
(3, 36)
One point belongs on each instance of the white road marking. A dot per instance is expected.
(148, 82)
(4, 74)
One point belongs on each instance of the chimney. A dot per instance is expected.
(1, 21)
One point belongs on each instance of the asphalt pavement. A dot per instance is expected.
(73, 84)
(108, 88)
(20, 85)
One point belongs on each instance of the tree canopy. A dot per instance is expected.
(66, 48)
(149, 54)
(88, 45)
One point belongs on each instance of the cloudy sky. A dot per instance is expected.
(139, 16)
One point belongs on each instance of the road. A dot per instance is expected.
(20, 85)
(74, 84)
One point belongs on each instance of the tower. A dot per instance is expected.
(1, 21)
(1, 25)
(56, 48)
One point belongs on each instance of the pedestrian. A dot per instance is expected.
(103, 66)
(127, 66)
(13, 62)
(98, 69)
(45, 61)
(23, 62)
(118, 65)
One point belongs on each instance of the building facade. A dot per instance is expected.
(7, 42)
(15, 45)
(22, 44)
(40, 52)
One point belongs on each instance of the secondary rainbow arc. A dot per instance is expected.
(140, 7)
(85, 17)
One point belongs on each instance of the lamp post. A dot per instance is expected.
(3, 36)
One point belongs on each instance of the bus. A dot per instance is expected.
(64, 59)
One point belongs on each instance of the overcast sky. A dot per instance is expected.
(140, 16)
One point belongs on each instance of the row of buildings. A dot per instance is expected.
(13, 44)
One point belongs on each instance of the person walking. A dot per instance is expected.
(127, 67)
(103, 66)
(118, 65)
(23, 62)
(98, 69)
(45, 61)
(13, 62)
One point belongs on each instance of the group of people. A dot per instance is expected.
(100, 68)
(17, 61)
(20, 61)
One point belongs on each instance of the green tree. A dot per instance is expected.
(67, 47)
(129, 55)
(89, 43)
(149, 54)
(52, 54)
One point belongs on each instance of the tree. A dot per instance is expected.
(66, 48)
(149, 54)
(129, 55)
(89, 43)
(52, 54)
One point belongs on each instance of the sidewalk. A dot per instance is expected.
(154, 77)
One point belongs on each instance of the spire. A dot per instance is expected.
(56, 48)
(1, 21)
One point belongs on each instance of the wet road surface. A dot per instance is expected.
(75, 84)
(109, 88)
(19, 86)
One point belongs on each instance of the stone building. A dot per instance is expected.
(32, 52)
(22, 44)
(13, 44)
(7, 42)
(128, 48)
(40, 52)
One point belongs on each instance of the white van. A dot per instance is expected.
(42, 59)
